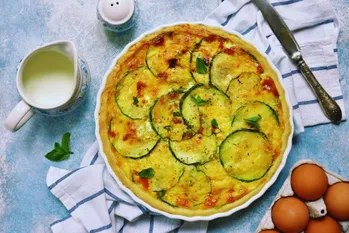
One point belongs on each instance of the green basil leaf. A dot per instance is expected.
(198, 100)
(214, 123)
(161, 193)
(147, 173)
(66, 142)
(135, 100)
(254, 121)
(255, 124)
(201, 66)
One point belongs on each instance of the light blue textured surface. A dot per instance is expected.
(26, 205)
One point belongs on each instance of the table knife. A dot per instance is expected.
(289, 43)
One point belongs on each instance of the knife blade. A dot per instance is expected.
(290, 45)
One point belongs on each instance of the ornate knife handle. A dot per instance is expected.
(327, 103)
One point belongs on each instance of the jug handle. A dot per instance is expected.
(19, 116)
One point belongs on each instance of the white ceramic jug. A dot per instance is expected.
(52, 80)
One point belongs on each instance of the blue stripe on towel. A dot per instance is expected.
(324, 22)
(180, 225)
(318, 24)
(290, 73)
(255, 25)
(60, 220)
(227, 21)
(318, 68)
(141, 208)
(229, 17)
(117, 198)
(151, 224)
(94, 159)
(268, 50)
(92, 231)
(112, 206)
(324, 68)
(123, 225)
(285, 3)
(62, 178)
(274, 4)
(314, 102)
(317, 101)
(249, 29)
(144, 210)
(101, 228)
(86, 200)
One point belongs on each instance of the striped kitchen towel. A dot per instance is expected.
(96, 203)
(316, 29)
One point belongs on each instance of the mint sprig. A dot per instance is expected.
(61, 151)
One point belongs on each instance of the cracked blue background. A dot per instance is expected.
(26, 205)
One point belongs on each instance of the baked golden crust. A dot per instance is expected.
(166, 62)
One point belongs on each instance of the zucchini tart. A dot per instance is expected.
(193, 120)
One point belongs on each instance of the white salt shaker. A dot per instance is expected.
(117, 15)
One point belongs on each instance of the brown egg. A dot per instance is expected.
(269, 231)
(337, 201)
(323, 225)
(309, 182)
(290, 215)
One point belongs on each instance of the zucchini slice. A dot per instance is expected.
(246, 155)
(197, 150)
(202, 55)
(132, 138)
(264, 118)
(227, 188)
(169, 60)
(193, 188)
(221, 182)
(214, 112)
(270, 94)
(166, 117)
(190, 111)
(217, 174)
(229, 64)
(167, 170)
(249, 87)
(136, 93)
(247, 84)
